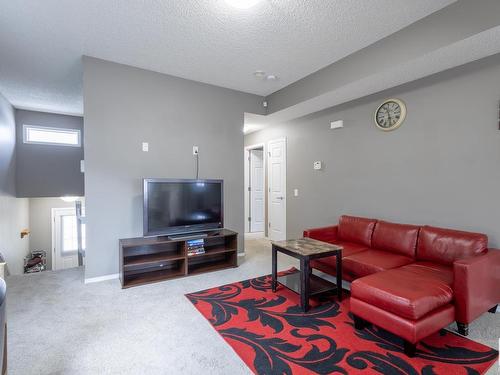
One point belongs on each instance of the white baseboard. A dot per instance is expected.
(101, 278)
(243, 254)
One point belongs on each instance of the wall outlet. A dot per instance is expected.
(145, 146)
(195, 150)
(318, 165)
(82, 166)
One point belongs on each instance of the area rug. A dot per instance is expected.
(272, 336)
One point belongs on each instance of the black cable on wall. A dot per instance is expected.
(197, 166)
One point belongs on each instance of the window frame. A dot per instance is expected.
(26, 127)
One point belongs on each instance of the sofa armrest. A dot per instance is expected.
(325, 234)
(476, 285)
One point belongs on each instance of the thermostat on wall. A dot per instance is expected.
(318, 165)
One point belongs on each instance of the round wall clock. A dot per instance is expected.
(390, 114)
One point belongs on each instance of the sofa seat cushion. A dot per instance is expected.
(432, 270)
(410, 291)
(396, 238)
(445, 246)
(371, 261)
(356, 229)
(328, 265)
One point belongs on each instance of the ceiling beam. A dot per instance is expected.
(460, 33)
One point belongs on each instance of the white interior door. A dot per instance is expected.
(65, 238)
(256, 190)
(277, 189)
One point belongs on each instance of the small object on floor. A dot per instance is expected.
(35, 262)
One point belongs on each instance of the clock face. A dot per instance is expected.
(390, 114)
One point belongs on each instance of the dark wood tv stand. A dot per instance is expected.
(145, 260)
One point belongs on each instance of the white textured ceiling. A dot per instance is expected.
(41, 42)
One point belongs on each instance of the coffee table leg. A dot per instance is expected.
(339, 277)
(274, 268)
(304, 284)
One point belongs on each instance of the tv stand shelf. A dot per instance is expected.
(145, 260)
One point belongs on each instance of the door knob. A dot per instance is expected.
(280, 198)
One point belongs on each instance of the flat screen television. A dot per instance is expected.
(173, 206)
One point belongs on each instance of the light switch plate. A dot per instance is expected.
(318, 165)
(145, 146)
(337, 124)
(295, 192)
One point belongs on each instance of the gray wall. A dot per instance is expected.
(441, 167)
(40, 219)
(47, 170)
(126, 106)
(13, 211)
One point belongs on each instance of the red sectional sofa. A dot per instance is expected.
(412, 280)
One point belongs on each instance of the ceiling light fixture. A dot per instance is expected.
(242, 4)
(272, 77)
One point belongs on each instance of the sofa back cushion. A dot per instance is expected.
(396, 238)
(356, 229)
(444, 246)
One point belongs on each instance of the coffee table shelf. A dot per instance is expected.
(317, 285)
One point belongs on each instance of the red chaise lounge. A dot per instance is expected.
(413, 280)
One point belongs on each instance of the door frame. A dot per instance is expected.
(268, 187)
(246, 184)
(55, 212)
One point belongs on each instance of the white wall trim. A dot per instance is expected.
(101, 278)
(246, 153)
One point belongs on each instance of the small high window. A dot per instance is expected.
(51, 136)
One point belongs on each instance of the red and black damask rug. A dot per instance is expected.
(272, 336)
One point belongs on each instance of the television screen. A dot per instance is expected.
(182, 206)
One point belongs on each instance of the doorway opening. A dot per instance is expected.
(265, 190)
(255, 191)
(68, 236)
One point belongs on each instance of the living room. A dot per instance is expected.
(375, 127)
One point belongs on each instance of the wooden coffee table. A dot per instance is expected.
(303, 281)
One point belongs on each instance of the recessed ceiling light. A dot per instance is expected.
(242, 4)
(259, 74)
(272, 77)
